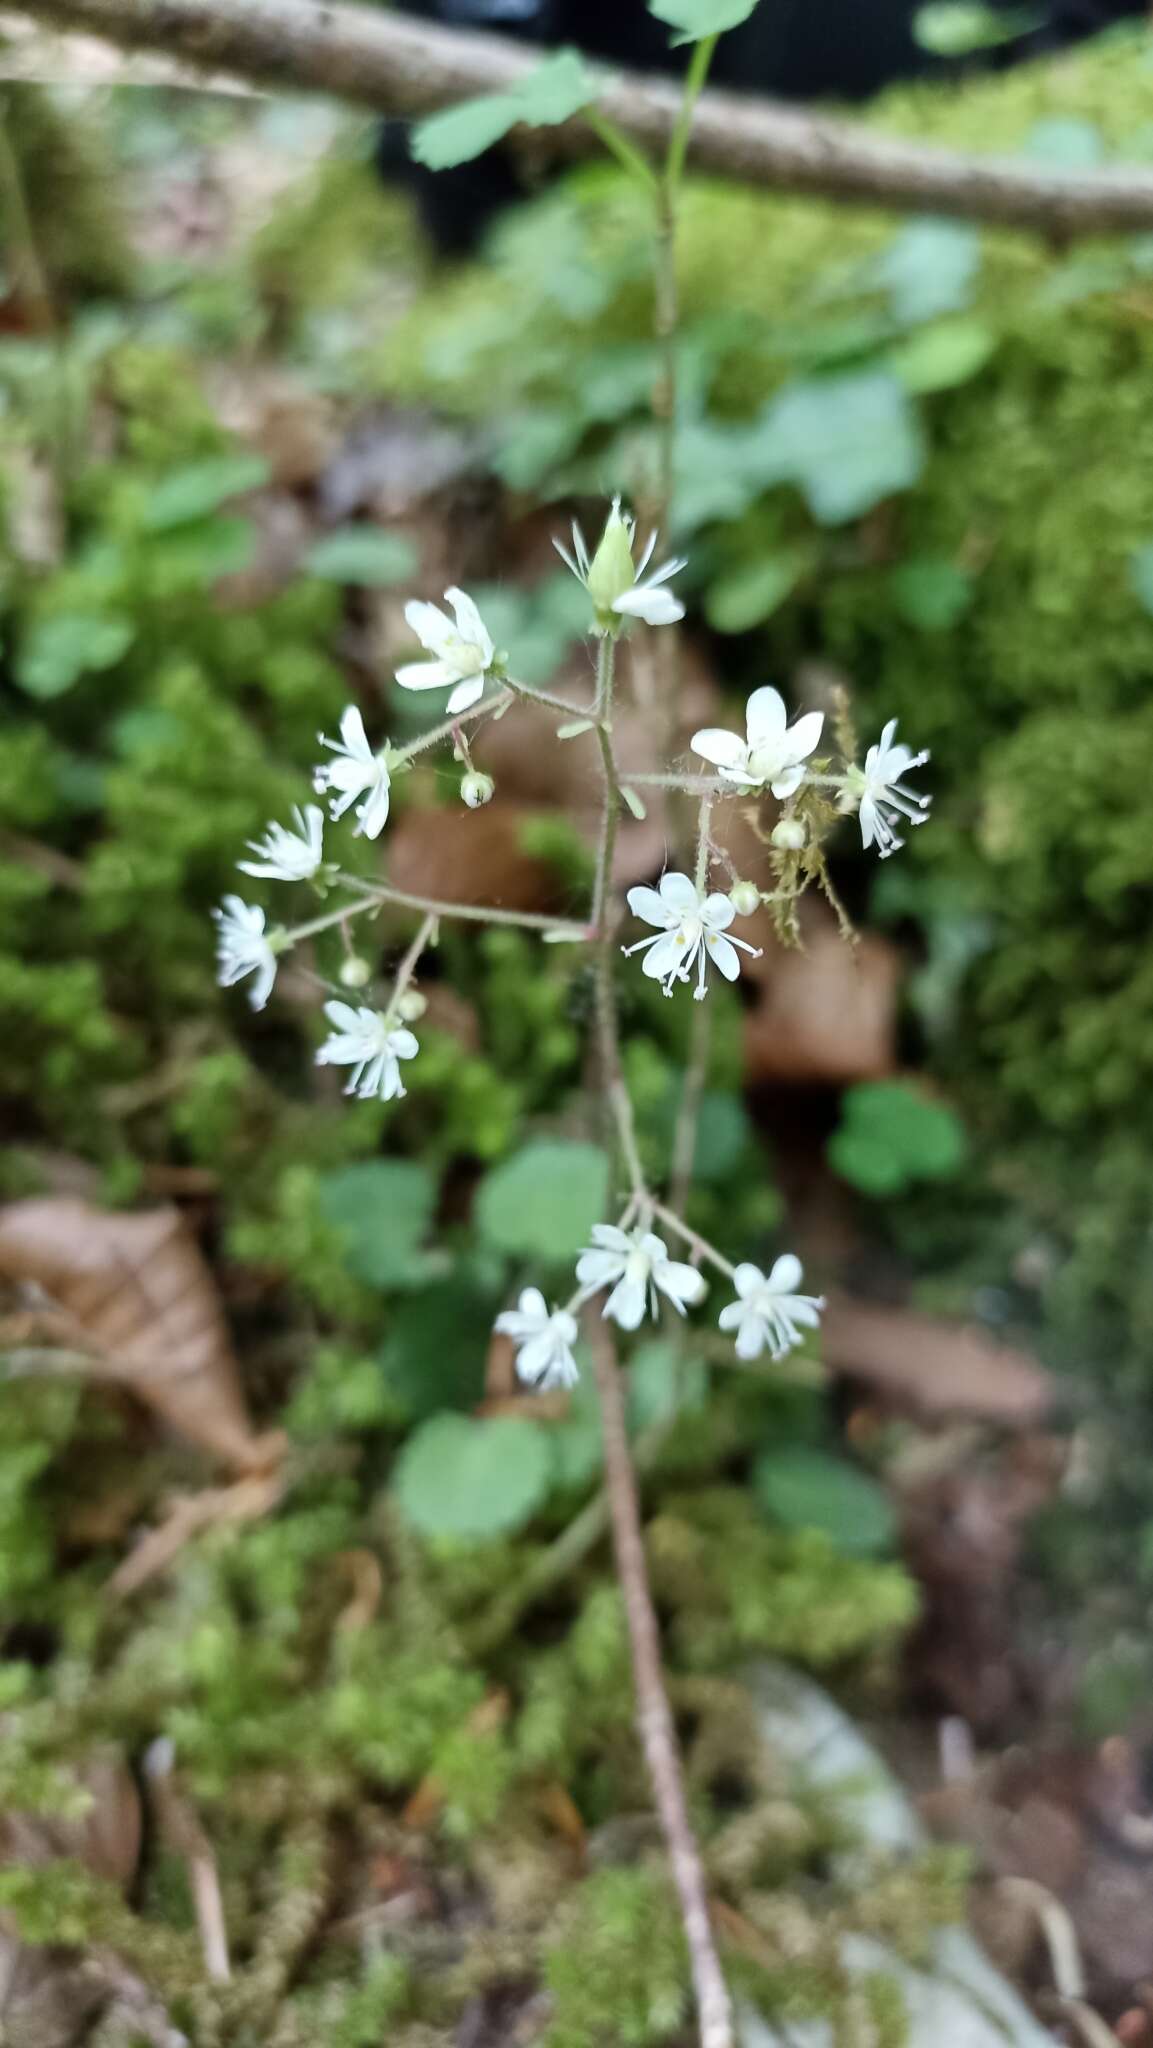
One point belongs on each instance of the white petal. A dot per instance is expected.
(679, 894)
(656, 607)
(723, 748)
(748, 1279)
(564, 1326)
(431, 626)
(803, 736)
(265, 976)
(612, 1237)
(789, 781)
(786, 1275)
(372, 814)
(402, 1045)
(766, 717)
(668, 956)
(751, 1335)
(342, 1015)
(679, 1282)
(724, 955)
(732, 1314)
(717, 913)
(465, 693)
(626, 1304)
(470, 625)
(426, 675)
(536, 1356)
(647, 905)
(352, 734)
(597, 1269)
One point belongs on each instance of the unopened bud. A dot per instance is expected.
(411, 1006)
(611, 571)
(355, 971)
(789, 835)
(476, 789)
(745, 897)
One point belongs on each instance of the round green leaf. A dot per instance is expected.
(848, 441)
(361, 554)
(748, 595)
(699, 18)
(542, 1203)
(931, 592)
(198, 488)
(811, 1490)
(60, 649)
(381, 1210)
(463, 1478)
(550, 94)
(943, 355)
(434, 1354)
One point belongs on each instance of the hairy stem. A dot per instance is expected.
(405, 971)
(700, 1039)
(654, 1715)
(445, 730)
(608, 1030)
(374, 896)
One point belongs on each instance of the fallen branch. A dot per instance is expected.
(378, 59)
(654, 1715)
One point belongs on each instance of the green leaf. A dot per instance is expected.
(941, 356)
(577, 1442)
(543, 1202)
(697, 19)
(361, 554)
(956, 28)
(552, 93)
(812, 1490)
(848, 442)
(462, 1478)
(931, 592)
(1066, 142)
(635, 803)
(748, 595)
(663, 1382)
(198, 488)
(58, 650)
(929, 268)
(1141, 575)
(434, 1355)
(892, 1135)
(381, 1210)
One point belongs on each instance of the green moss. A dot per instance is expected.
(617, 1972)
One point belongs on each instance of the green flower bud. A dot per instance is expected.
(745, 897)
(411, 1006)
(477, 789)
(355, 971)
(611, 570)
(789, 835)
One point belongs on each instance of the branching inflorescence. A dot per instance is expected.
(629, 1262)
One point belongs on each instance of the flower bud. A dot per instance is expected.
(411, 1006)
(745, 897)
(789, 835)
(355, 971)
(611, 571)
(477, 789)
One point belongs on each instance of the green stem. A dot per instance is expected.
(703, 849)
(375, 897)
(546, 697)
(695, 78)
(692, 1238)
(404, 972)
(445, 730)
(625, 152)
(608, 1032)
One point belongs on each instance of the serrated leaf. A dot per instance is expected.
(363, 555)
(941, 356)
(634, 802)
(806, 1489)
(552, 93)
(461, 1478)
(543, 1202)
(848, 442)
(381, 1210)
(931, 592)
(58, 650)
(198, 488)
(697, 19)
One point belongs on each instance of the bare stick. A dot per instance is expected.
(654, 1715)
(377, 59)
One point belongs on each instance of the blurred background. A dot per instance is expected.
(261, 379)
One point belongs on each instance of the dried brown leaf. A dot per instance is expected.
(937, 1366)
(140, 1298)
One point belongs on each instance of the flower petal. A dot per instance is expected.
(426, 675)
(681, 1283)
(626, 1304)
(679, 893)
(804, 733)
(470, 625)
(353, 737)
(669, 955)
(597, 1269)
(717, 913)
(789, 781)
(766, 717)
(657, 607)
(748, 1279)
(786, 1275)
(431, 626)
(751, 1335)
(723, 748)
(466, 693)
(647, 905)
(402, 1045)
(723, 954)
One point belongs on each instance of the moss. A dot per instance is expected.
(618, 1972)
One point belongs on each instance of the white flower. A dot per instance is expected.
(365, 1041)
(692, 931)
(612, 581)
(768, 1309)
(884, 800)
(544, 1341)
(462, 649)
(774, 751)
(356, 772)
(289, 856)
(635, 1263)
(242, 948)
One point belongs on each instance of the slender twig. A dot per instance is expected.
(654, 1715)
(445, 730)
(183, 1830)
(375, 894)
(374, 57)
(404, 972)
(700, 1245)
